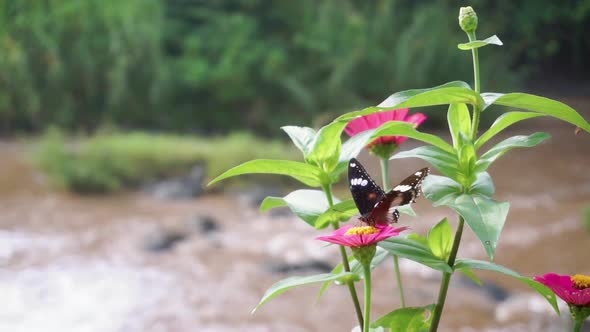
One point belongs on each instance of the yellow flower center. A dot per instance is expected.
(362, 230)
(581, 281)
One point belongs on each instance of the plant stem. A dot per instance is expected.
(398, 276)
(444, 286)
(351, 288)
(350, 284)
(476, 110)
(475, 56)
(385, 173)
(367, 269)
(578, 325)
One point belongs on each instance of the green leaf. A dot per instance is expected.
(471, 275)
(539, 104)
(445, 162)
(271, 202)
(421, 239)
(302, 137)
(296, 281)
(449, 93)
(350, 149)
(304, 173)
(437, 187)
(485, 216)
(462, 263)
(410, 319)
(401, 128)
(467, 160)
(503, 122)
(506, 145)
(354, 145)
(337, 213)
(483, 185)
(544, 291)
(440, 239)
(307, 204)
(493, 40)
(459, 123)
(326, 145)
(455, 92)
(416, 251)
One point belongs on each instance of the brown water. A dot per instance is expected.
(72, 263)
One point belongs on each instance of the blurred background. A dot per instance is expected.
(115, 114)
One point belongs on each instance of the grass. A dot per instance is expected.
(110, 162)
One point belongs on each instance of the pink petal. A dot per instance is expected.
(563, 287)
(342, 230)
(399, 140)
(356, 126)
(553, 279)
(372, 120)
(400, 114)
(333, 239)
(358, 240)
(417, 118)
(385, 116)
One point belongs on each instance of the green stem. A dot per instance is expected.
(475, 56)
(578, 325)
(367, 269)
(350, 284)
(476, 110)
(444, 286)
(398, 276)
(385, 173)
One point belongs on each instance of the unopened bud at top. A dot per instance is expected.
(467, 19)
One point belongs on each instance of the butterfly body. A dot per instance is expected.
(375, 205)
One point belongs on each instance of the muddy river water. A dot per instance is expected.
(71, 263)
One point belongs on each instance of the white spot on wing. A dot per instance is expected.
(364, 183)
(402, 187)
(352, 165)
(418, 173)
(357, 181)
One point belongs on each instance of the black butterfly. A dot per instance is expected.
(375, 205)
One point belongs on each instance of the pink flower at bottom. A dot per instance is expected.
(361, 236)
(375, 120)
(574, 290)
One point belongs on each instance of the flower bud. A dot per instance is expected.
(467, 19)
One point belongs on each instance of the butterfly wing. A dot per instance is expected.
(365, 192)
(404, 193)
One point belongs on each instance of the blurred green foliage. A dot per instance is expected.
(109, 162)
(214, 66)
(79, 64)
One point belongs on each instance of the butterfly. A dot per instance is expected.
(375, 205)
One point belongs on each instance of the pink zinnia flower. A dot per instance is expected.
(375, 120)
(575, 290)
(361, 236)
